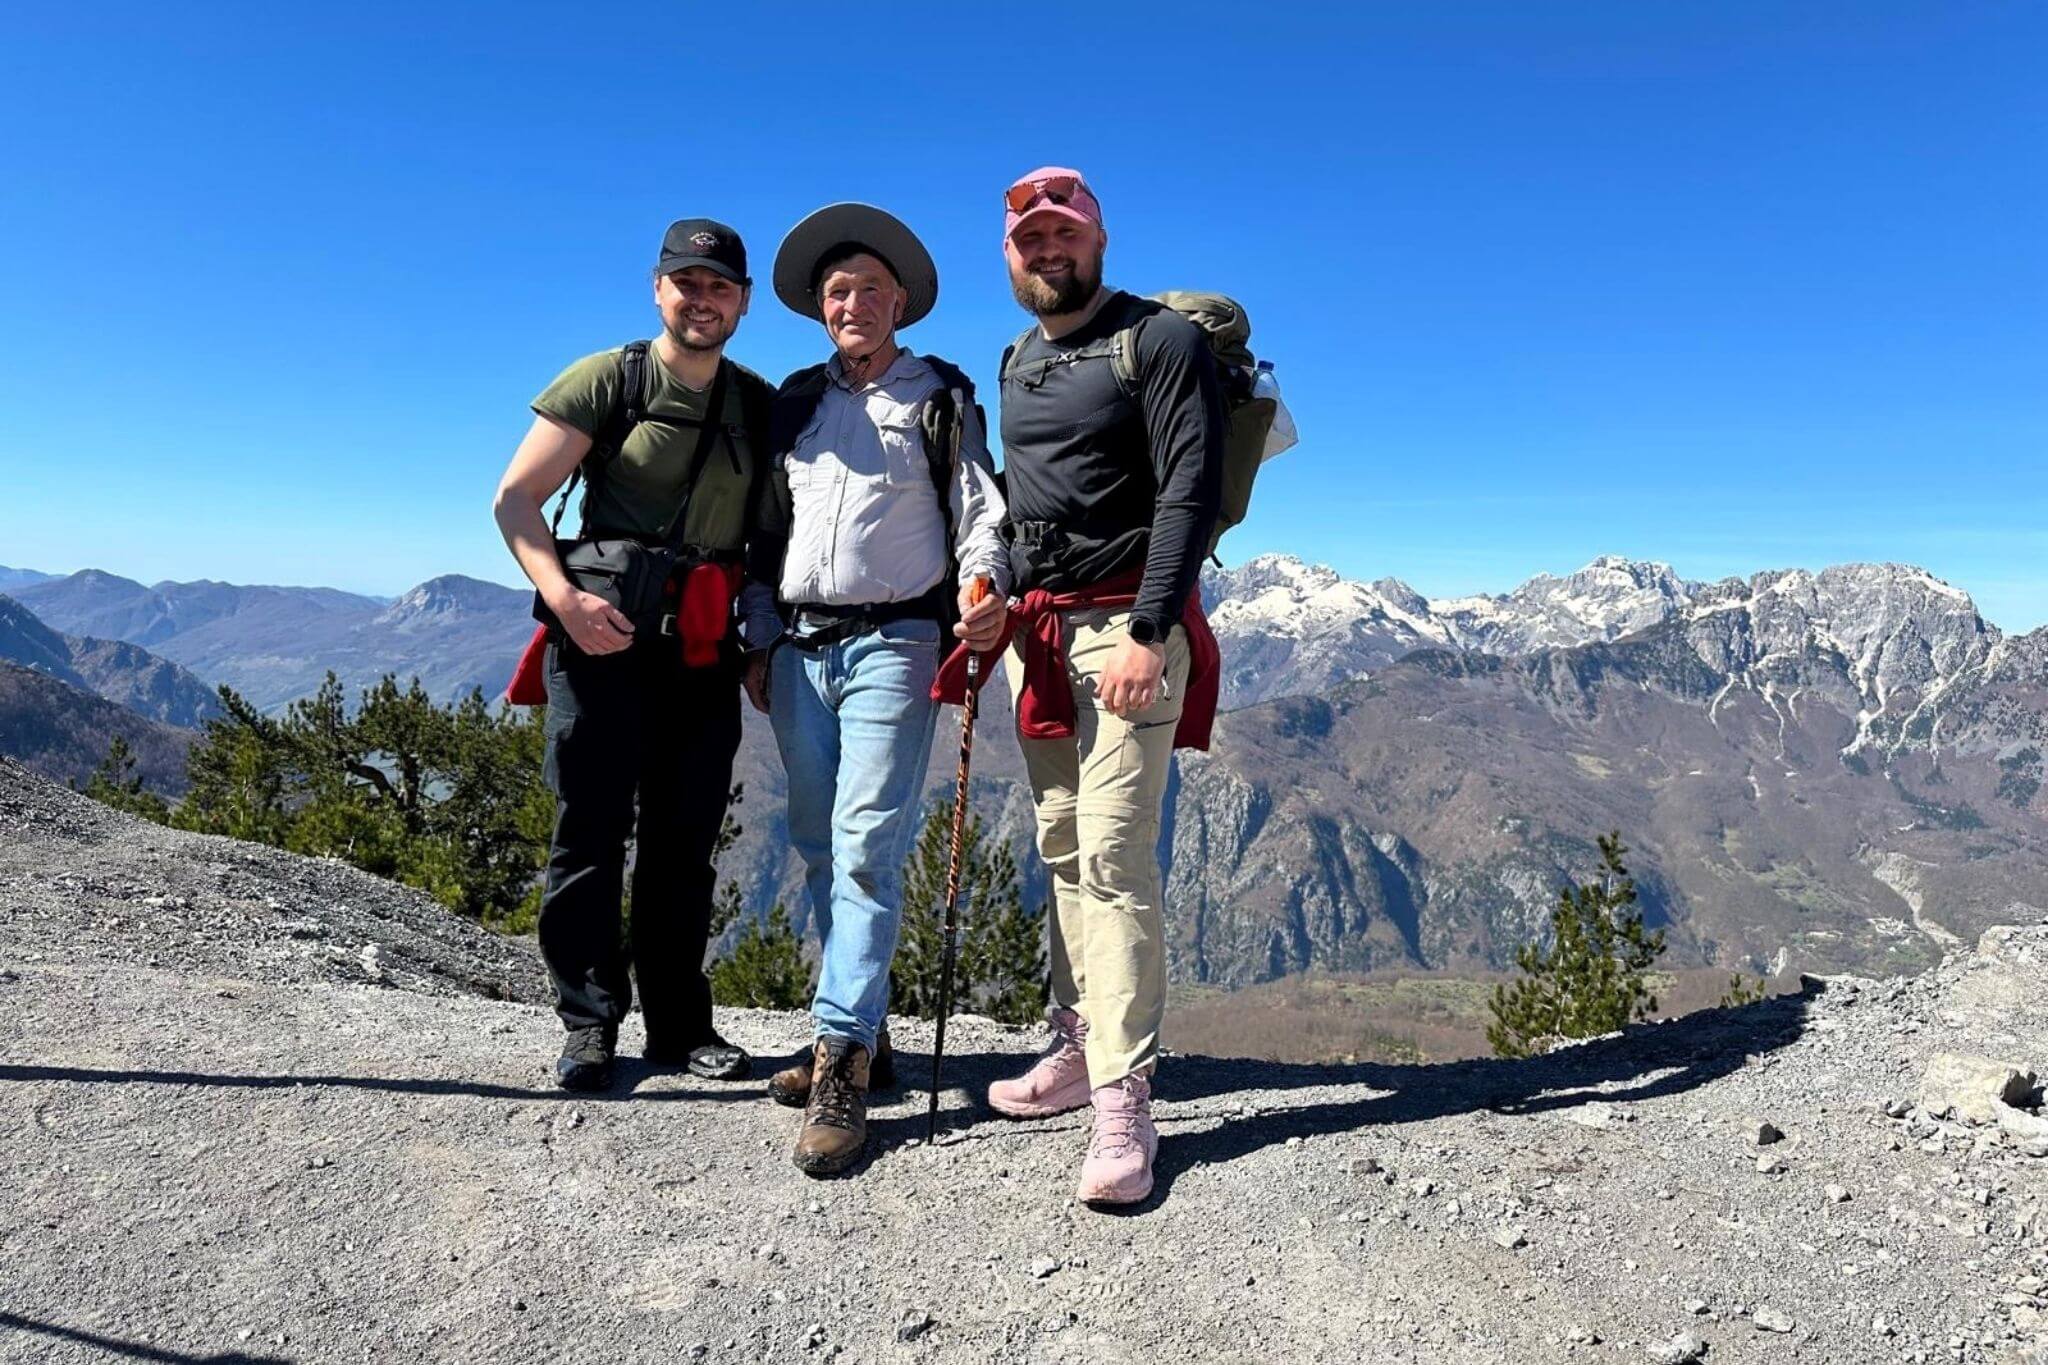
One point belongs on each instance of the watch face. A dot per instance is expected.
(1142, 632)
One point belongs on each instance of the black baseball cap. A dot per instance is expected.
(705, 242)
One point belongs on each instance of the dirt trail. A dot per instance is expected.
(202, 1161)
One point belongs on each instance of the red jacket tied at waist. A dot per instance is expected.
(703, 610)
(1045, 704)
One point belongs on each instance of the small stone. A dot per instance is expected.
(1897, 1109)
(699, 1349)
(1696, 1307)
(1294, 1141)
(1422, 1187)
(1880, 1326)
(1583, 1336)
(1682, 1349)
(1043, 1266)
(814, 1336)
(245, 1334)
(914, 1323)
(1509, 1239)
(1594, 1115)
(1768, 1319)
(1362, 1165)
(1837, 1195)
(1765, 1133)
(1769, 1165)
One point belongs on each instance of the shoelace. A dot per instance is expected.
(1067, 1047)
(1116, 1132)
(832, 1096)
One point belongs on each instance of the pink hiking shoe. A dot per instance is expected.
(1118, 1168)
(1056, 1082)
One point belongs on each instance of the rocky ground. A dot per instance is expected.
(254, 1107)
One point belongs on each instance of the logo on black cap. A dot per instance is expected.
(703, 241)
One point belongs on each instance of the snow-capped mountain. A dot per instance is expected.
(1901, 634)
(1609, 598)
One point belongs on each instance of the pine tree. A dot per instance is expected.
(1742, 990)
(765, 968)
(115, 783)
(1000, 965)
(446, 798)
(1589, 980)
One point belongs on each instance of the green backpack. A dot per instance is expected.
(1247, 415)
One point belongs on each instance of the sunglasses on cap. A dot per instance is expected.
(1055, 189)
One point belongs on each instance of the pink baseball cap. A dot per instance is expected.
(1050, 189)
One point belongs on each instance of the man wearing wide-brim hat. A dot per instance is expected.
(879, 511)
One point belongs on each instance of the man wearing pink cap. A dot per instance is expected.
(1114, 469)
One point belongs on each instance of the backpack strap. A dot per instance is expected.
(942, 424)
(1119, 347)
(794, 404)
(612, 432)
(1004, 371)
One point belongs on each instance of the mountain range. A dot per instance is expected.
(275, 644)
(1833, 769)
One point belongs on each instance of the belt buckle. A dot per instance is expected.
(668, 624)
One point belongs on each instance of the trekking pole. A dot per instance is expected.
(969, 704)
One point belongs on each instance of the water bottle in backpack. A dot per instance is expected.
(1281, 435)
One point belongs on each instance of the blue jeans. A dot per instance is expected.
(854, 723)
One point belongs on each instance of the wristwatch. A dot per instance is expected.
(1145, 630)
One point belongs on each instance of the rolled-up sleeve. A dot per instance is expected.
(977, 506)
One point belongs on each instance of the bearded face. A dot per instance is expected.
(700, 309)
(1055, 264)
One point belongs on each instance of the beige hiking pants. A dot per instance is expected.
(1098, 796)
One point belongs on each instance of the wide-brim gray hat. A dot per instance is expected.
(876, 231)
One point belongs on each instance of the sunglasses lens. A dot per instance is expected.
(1058, 189)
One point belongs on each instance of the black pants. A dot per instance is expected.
(635, 723)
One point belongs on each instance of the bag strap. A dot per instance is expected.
(611, 434)
(709, 430)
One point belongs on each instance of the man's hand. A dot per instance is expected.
(756, 680)
(1132, 679)
(593, 624)
(981, 623)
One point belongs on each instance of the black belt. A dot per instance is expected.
(844, 622)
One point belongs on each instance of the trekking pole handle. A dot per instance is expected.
(977, 593)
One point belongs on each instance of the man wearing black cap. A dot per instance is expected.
(667, 436)
(880, 510)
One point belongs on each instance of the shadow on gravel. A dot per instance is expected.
(630, 1075)
(134, 1350)
(1645, 1062)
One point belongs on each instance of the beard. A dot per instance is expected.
(1042, 298)
(677, 330)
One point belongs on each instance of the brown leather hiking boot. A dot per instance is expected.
(792, 1084)
(836, 1119)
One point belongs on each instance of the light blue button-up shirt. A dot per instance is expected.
(865, 526)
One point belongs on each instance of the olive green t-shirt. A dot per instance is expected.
(644, 482)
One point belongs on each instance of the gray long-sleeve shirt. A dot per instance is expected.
(865, 525)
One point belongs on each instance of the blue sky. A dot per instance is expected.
(1732, 285)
